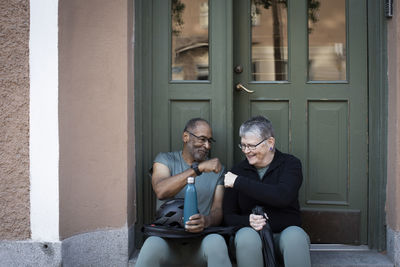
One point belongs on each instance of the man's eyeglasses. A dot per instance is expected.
(202, 139)
(250, 147)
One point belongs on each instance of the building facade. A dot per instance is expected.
(92, 90)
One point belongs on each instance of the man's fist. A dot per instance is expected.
(211, 165)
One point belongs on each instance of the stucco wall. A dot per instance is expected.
(95, 115)
(393, 179)
(14, 120)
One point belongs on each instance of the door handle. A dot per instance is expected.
(240, 87)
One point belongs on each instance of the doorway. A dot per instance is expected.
(314, 89)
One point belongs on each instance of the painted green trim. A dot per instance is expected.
(378, 114)
(229, 83)
(142, 73)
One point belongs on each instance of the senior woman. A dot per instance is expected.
(271, 179)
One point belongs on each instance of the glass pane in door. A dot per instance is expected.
(327, 40)
(189, 34)
(269, 53)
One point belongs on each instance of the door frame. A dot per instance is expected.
(377, 110)
(377, 119)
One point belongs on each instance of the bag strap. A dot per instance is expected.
(178, 232)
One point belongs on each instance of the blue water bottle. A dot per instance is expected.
(190, 204)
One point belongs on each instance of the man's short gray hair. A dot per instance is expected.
(192, 123)
(258, 125)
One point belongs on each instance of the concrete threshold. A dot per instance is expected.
(337, 247)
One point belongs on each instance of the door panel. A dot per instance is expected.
(190, 78)
(328, 120)
(323, 122)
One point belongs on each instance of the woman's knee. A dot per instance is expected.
(295, 247)
(293, 236)
(248, 247)
(247, 238)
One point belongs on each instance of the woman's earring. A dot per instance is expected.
(271, 148)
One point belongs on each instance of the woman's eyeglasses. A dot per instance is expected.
(250, 147)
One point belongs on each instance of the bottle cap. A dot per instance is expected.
(190, 180)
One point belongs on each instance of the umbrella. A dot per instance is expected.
(267, 239)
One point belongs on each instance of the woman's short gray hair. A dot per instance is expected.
(258, 125)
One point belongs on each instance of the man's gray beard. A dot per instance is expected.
(199, 158)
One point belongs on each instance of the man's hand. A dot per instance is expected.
(211, 165)
(257, 221)
(196, 223)
(230, 179)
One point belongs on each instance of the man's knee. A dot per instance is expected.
(215, 250)
(247, 238)
(293, 236)
(156, 244)
(153, 252)
(214, 243)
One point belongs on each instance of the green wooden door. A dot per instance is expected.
(306, 62)
(190, 75)
(190, 48)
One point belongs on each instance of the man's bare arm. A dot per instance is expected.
(215, 216)
(167, 186)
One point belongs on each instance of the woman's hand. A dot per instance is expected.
(257, 222)
(230, 179)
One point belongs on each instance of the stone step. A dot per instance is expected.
(337, 256)
(347, 256)
(349, 259)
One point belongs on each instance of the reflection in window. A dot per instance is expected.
(327, 40)
(269, 53)
(190, 51)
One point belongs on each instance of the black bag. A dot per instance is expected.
(169, 224)
(267, 240)
(179, 232)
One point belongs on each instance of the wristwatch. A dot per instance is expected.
(195, 167)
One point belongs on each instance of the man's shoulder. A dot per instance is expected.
(164, 157)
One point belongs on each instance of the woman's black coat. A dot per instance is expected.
(277, 192)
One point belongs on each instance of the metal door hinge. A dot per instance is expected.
(389, 8)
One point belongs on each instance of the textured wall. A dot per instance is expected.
(14, 120)
(95, 118)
